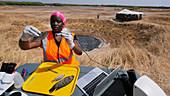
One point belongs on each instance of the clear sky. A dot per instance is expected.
(107, 2)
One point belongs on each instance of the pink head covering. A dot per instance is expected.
(61, 15)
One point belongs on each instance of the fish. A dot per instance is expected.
(51, 70)
(58, 78)
(62, 83)
(42, 36)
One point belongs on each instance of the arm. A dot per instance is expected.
(27, 36)
(77, 49)
(25, 45)
(73, 44)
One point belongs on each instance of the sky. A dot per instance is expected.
(106, 2)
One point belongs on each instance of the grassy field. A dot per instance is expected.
(141, 45)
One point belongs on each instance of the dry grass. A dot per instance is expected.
(144, 62)
(141, 45)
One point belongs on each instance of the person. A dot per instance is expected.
(58, 46)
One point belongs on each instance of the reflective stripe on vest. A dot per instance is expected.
(44, 41)
(60, 60)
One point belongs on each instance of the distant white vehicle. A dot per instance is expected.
(127, 15)
(126, 11)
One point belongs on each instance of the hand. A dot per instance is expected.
(29, 32)
(69, 37)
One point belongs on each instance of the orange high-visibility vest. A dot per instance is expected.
(62, 54)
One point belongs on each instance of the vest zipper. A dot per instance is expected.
(58, 55)
(58, 46)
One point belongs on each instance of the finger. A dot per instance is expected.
(66, 37)
(65, 29)
(64, 32)
(35, 30)
(33, 33)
